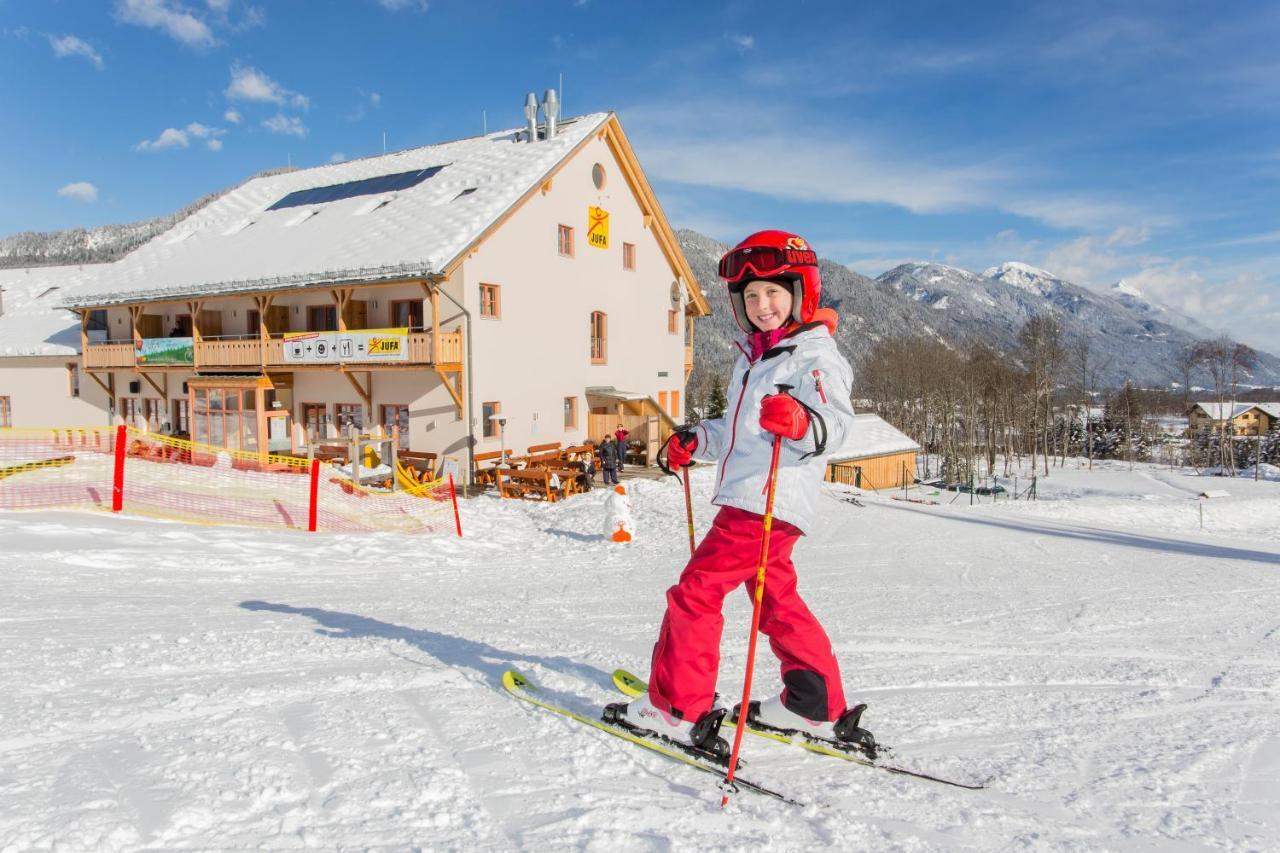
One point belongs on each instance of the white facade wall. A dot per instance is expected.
(39, 392)
(539, 351)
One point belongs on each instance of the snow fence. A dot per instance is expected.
(122, 469)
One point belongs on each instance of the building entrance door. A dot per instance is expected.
(279, 432)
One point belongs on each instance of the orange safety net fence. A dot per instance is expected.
(170, 478)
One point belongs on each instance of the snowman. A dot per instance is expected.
(618, 525)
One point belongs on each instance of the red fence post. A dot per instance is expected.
(453, 495)
(117, 482)
(315, 492)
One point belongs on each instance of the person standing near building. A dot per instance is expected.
(790, 380)
(609, 460)
(620, 435)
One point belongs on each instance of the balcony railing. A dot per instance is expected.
(110, 354)
(254, 352)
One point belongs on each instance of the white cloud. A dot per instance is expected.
(172, 137)
(232, 116)
(221, 7)
(250, 84)
(1252, 239)
(743, 42)
(81, 191)
(70, 45)
(337, 157)
(286, 125)
(371, 99)
(170, 18)
(401, 5)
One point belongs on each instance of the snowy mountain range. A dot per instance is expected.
(1134, 338)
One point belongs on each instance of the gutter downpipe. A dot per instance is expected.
(438, 281)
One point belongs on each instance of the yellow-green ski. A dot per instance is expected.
(633, 686)
(523, 688)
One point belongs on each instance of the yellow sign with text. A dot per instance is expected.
(598, 227)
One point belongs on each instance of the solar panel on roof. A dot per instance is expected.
(351, 189)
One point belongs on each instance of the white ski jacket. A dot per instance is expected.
(821, 378)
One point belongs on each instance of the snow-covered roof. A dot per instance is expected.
(255, 237)
(1218, 411)
(872, 436)
(34, 323)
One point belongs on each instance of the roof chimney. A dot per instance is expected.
(551, 107)
(531, 117)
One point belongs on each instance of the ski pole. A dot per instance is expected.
(755, 618)
(688, 509)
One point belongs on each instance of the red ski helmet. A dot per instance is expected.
(773, 255)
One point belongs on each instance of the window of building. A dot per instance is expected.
(225, 417)
(570, 412)
(675, 405)
(315, 417)
(407, 313)
(349, 415)
(252, 323)
(153, 409)
(662, 401)
(673, 321)
(393, 415)
(181, 418)
(487, 411)
(490, 301)
(322, 318)
(598, 176)
(628, 256)
(73, 379)
(599, 337)
(6, 412)
(129, 410)
(564, 241)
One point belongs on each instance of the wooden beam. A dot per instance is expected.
(153, 384)
(103, 385)
(435, 325)
(447, 377)
(366, 394)
(341, 296)
(84, 333)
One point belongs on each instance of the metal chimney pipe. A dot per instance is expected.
(551, 107)
(531, 117)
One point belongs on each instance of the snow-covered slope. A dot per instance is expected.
(1107, 667)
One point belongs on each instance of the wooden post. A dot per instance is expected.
(395, 458)
(117, 483)
(315, 493)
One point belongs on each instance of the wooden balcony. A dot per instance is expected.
(242, 352)
(109, 354)
(254, 353)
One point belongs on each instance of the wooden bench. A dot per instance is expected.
(522, 483)
(424, 463)
(487, 465)
(536, 449)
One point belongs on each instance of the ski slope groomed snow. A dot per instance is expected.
(1107, 667)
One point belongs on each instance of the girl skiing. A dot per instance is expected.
(790, 381)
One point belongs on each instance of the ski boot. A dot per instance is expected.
(701, 738)
(843, 733)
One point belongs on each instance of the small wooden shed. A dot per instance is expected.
(875, 455)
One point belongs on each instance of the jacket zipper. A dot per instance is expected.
(733, 433)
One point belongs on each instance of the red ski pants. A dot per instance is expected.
(687, 655)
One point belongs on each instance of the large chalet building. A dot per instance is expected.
(528, 274)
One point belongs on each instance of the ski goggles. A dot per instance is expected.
(764, 261)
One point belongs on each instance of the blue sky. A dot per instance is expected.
(1097, 140)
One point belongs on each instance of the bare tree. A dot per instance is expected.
(1040, 345)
